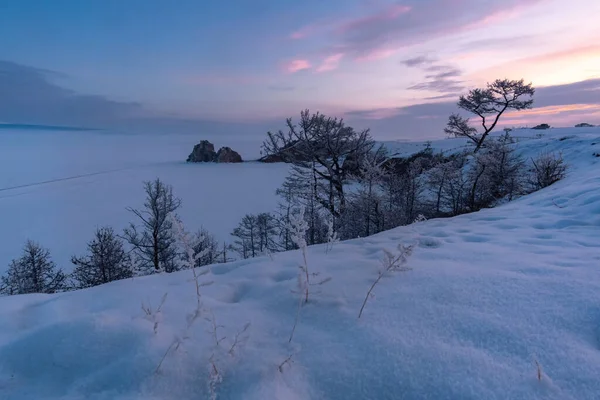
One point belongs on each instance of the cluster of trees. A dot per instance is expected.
(384, 193)
(342, 179)
(341, 182)
(35, 272)
(145, 247)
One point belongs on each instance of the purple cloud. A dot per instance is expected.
(404, 23)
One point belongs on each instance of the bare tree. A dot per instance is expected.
(33, 272)
(505, 169)
(154, 243)
(107, 261)
(323, 146)
(256, 235)
(364, 215)
(450, 185)
(299, 189)
(489, 104)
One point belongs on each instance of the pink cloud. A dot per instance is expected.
(564, 115)
(297, 65)
(330, 63)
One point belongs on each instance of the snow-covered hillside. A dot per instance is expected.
(499, 304)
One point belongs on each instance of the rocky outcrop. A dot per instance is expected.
(227, 155)
(205, 152)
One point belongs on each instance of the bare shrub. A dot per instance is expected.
(548, 168)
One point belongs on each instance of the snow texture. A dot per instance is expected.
(489, 297)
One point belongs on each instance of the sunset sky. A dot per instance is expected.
(395, 66)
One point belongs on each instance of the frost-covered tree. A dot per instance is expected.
(364, 214)
(328, 149)
(288, 194)
(489, 104)
(413, 187)
(494, 174)
(206, 249)
(300, 189)
(505, 175)
(33, 272)
(105, 262)
(372, 175)
(256, 235)
(153, 242)
(448, 185)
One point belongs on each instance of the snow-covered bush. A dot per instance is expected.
(33, 272)
(206, 249)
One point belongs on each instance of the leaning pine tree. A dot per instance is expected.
(488, 105)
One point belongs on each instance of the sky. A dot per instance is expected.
(397, 67)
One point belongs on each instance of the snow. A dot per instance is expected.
(489, 296)
(57, 187)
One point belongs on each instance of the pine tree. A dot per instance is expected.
(105, 262)
(155, 244)
(33, 272)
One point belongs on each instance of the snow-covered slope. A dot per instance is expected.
(491, 295)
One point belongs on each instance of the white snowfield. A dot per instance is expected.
(57, 187)
(499, 304)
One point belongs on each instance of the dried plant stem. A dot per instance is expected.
(369, 294)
